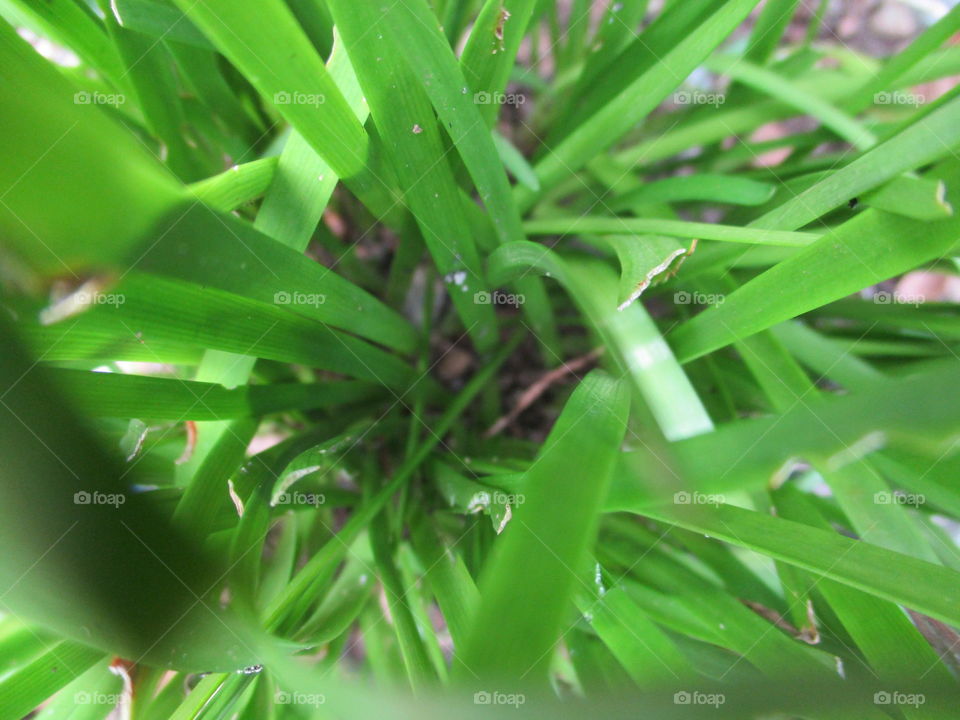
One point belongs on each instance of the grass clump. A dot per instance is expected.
(501, 358)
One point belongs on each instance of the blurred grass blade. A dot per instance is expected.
(74, 26)
(772, 22)
(701, 187)
(638, 99)
(262, 38)
(779, 87)
(118, 395)
(159, 21)
(898, 578)
(34, 682)
(99, 564)
(908, 413)
(51, 140)
(898, 65)
(515, 163)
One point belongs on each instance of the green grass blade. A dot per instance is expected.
(918, 145)
(865, 250)
(150, 308)
(772, 22)
(515, 163)
(296, 597)
(208, 489)
(672, 228)
(645, 651)
(304, 181)
(448, 578)
(414, 29)
(902, 62)
(912, 197)
(600, 84)
(237, 186)
(527, 584)
(265, 42)
(194, 244)
(492, 47)
(399, 598)
(644, 262)
(405, 119)
(640, 348)
(893, 646)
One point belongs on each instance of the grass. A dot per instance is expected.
(462, 359)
